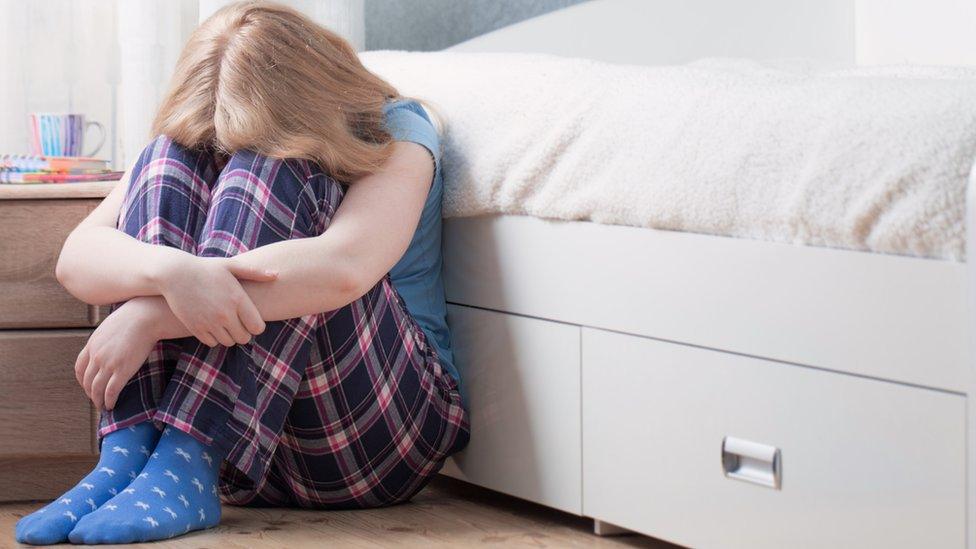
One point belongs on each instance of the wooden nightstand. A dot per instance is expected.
(47, 434)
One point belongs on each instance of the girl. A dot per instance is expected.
(279, 336)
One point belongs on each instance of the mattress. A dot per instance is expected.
(871, 159)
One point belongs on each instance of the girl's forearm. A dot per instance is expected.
(159, 316)
(314, 276)
(102, 265)
(310, 280)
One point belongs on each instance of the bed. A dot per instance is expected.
(707, 390)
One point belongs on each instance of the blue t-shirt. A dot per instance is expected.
(417, 276)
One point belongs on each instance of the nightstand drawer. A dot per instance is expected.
(32, 234)
(43, 411)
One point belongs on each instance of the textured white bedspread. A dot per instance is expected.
(868, 159)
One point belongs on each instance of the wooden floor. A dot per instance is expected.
(447, 514)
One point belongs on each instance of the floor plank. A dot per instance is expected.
(448, 513)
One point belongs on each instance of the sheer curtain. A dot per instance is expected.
(150, 35)
(56, 55)
(111, 60)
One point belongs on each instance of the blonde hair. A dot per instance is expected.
(261, 76)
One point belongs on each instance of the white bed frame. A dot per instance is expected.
(714, 392)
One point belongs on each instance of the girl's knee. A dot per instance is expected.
(164, 160)
(267, 168)
(163, 147)
(299, 189)
(168, 182)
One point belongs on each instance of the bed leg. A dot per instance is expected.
(602, 528)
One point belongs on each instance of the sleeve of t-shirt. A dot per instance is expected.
(405, 123)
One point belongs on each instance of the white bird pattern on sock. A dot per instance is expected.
(71, 516)
(155, 503)
(66, 501)
(113, 491)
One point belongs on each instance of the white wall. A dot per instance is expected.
(655, 32)
(923, 32)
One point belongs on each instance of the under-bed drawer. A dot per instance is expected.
(521, 377)
(689, 445)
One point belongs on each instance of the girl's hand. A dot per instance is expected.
(115, 351)
(206, 296)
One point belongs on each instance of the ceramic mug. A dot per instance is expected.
(62, 134)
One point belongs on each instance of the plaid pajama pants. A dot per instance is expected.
(344, 409)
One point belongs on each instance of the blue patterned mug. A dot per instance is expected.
(62, 134)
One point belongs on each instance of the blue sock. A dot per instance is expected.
(175, 493)
(124, 454)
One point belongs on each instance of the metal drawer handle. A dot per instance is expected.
(752, 462)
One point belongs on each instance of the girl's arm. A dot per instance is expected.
(370, 231)
(367, 236)
(101, 265)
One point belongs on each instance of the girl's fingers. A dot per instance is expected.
(90, 372)
(80, 364)
(238, 331)
(224, 337)
(244, 272)
(251, 317)
(112, 390)
(206, 338)
(98, 389)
